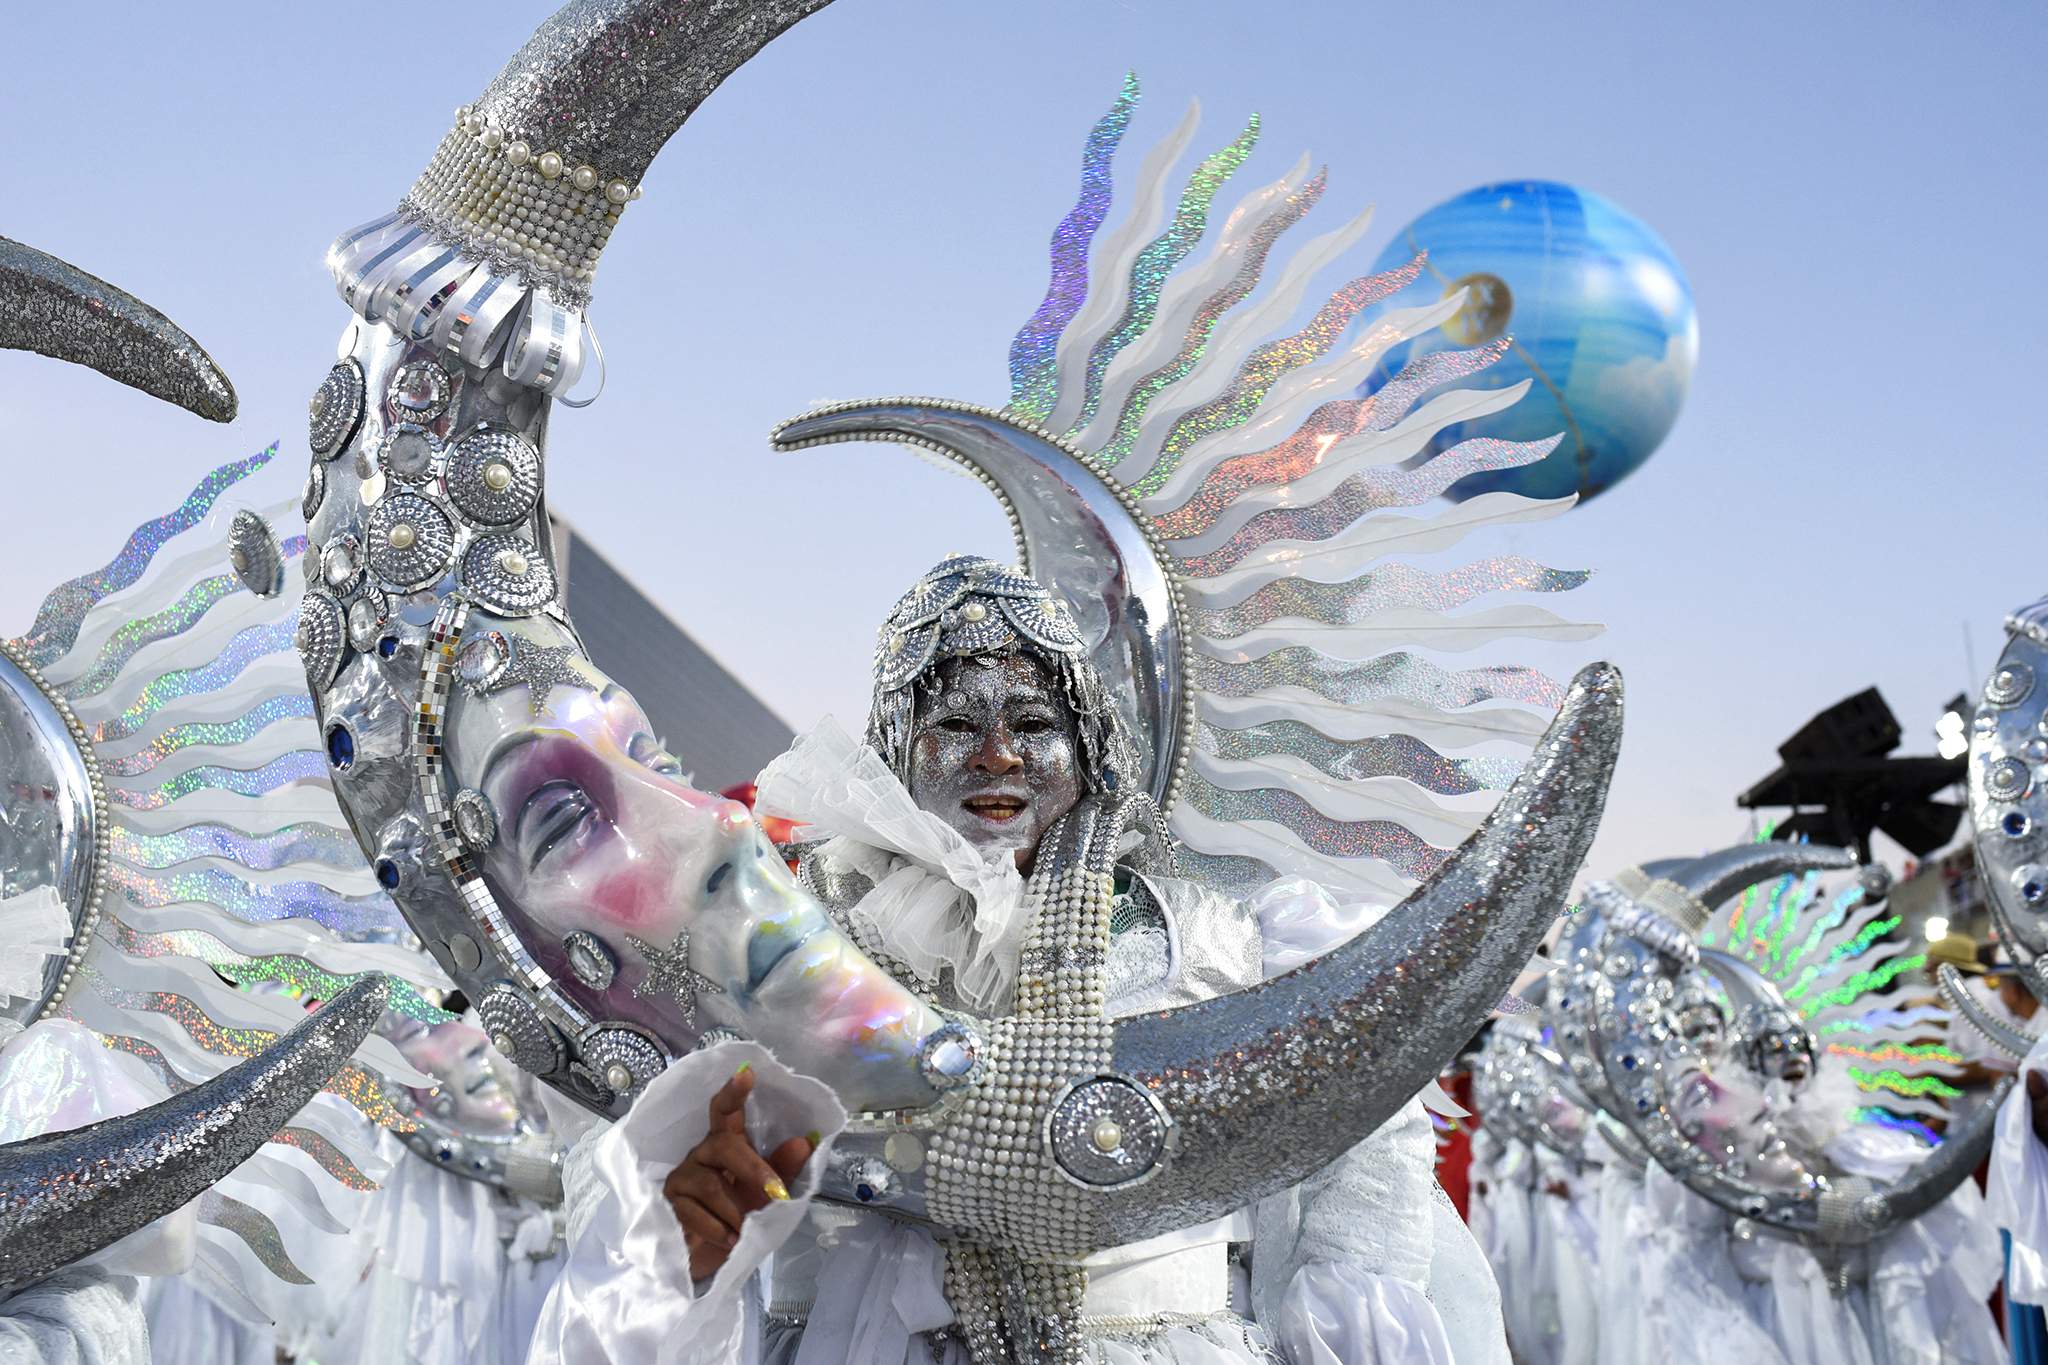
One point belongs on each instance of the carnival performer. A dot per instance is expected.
(978, 745)
(71, 1098)
(2008, 808)
(638, 945)
(1794, 1215)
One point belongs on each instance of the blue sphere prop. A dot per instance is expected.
(1599, 314)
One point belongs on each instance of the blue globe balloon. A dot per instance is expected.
(1599, 314)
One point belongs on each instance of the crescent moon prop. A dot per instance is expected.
(1601, 1012)
(66, 1195)
(55, 309)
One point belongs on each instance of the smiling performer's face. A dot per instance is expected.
(993, 752)
(607, 855)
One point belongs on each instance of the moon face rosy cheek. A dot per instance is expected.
(635, 896)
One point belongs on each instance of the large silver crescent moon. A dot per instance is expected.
(55, 309)
(64, 1196)
(1078, 532)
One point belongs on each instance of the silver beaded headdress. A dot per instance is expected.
(968, 607)
(1632, 964)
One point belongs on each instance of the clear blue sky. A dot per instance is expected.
(1856, 193)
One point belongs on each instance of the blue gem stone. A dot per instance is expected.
(2033, 891)
(387, 874)
(1628, 1064)
(1109, 779)
(864, 1192)
(2015, 823)
(341, 746)
(388, 646)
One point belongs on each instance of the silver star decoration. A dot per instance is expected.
(540, 667)
(669, 971)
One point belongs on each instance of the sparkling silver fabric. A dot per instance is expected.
(1273, 1083)
(55, 309)
(66, 1195)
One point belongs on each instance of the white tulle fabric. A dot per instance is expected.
(450, 1272)
(1708, 1297)
(937, 902)
(187, 1327)
(2017, 1193)
(1624, 1229)
(56, 1076)
(1349, 1262)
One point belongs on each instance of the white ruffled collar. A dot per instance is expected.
(940, 903)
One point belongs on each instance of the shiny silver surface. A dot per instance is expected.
(48, 818)
(1075, 530)
(1271, 1084)
(55, 309)
(66, 1195)
(2009, 789)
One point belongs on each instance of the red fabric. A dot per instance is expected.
(1454, 1147)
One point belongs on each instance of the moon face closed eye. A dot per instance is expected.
(1076, 534)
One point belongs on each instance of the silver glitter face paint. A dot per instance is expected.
(56, 309)
(993, 753)
(66, 1195)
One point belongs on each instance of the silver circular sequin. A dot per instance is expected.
(335, 410)
(518, 1030)
(493, 477)
(320, 637)
(507, 575)
(408, 453)
(411, 541)
(2010, 685)
(341, 563)
(464, 953)
(2006, 780)
(315, 492)
(420, 390)
(1108, 1132)
(619, 1045)
(254, 555)
(475, 820)
(366, 620)
(483, 660)
(593, 964)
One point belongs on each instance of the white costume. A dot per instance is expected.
(1366, 1263)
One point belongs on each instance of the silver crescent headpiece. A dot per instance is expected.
(967, 606)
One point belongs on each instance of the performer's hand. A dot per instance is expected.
(2037, 1101)
(724, 1179)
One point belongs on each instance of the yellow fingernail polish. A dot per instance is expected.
(745, 1067)
(814, 1137)
(775, 1188)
